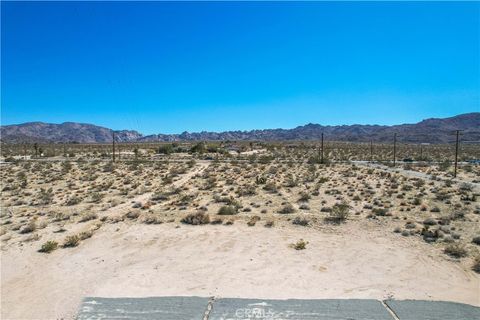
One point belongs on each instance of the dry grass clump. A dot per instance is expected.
(74, 200)
(71, 241)
(253, 220)
(300, 245)
(30, 227)
(152, 219)
(196, 218)
(304, 196)
(85, 234)
(269, 223)
(87, 217)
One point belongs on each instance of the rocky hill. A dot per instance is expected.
(64, 132)
(426, 131)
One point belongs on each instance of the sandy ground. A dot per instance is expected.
(131, 260)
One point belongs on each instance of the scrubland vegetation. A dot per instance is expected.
(63, 196)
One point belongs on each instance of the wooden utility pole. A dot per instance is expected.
(321, 155)
(456, 153)
(371, 150)
(113, 146)
(421, 152)
(394, 148)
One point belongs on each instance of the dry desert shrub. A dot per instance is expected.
(253, 220)
(196, 218)
(71, 241)
(476, 240)
(339, 213)
(87, 217)
(228, 210)
(286, 209)
(456, 250)
(152, 219)
(48, 246)
(73, 201)
(301, 221)
(30, 227)
(300, 245)
(216, 221)
(270, 223)
(476, 264)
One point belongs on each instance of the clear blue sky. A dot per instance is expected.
(169, 67)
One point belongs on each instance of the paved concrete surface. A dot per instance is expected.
(432, 310)
(157, 308)
(188, 308)
(294, 309)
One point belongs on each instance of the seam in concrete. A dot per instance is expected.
(394, 315)
(209, 309)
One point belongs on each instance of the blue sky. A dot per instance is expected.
(170, 67)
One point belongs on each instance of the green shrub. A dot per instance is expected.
(228, 210)
(48, 246)
(340, 213)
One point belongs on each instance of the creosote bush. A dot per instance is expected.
(339, 213)
(227, 210)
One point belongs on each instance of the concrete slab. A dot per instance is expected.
(432, 310)
(293, 309)
(157, 308)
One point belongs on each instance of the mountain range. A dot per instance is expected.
(434, 130)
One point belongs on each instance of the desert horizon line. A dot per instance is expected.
(237, 130)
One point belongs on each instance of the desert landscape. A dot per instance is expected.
(269, 220)
(240, 160)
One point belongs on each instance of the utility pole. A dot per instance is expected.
(113, 146)
(394, 148)
(456, 153)
(25, 151)
(371, 150)
(321, 155)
